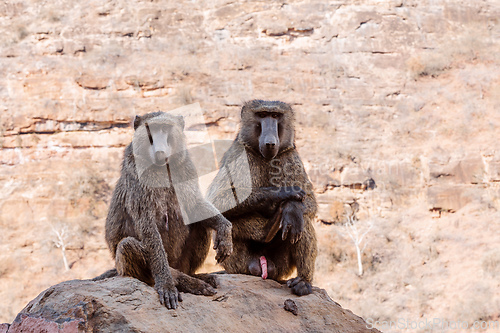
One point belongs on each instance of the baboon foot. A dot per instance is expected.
(192, 285)
(208, 278)
(299, 286)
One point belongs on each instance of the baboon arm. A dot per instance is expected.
(264, 200)
(197, 207)
(232, 191)
(251, 204)
(155, 252)
(211, 218)
(224, 198)
(216, 220)
(200, 210)
(301, 179)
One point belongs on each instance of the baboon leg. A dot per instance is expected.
(238, 262)
(195, 249)
(195, 252)
(304, 254)
(131, 260)
(192, 285)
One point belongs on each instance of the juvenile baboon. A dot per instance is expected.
(155, 198)
(277, 194)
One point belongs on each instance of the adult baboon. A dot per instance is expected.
(155, 198)
(277, 194)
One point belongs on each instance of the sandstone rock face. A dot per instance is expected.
(397, 110)
(242, 304)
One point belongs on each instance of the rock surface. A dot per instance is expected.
(242, 304)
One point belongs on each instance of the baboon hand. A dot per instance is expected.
(299, 286)
(169, 296)
(223, 244)
(292, 223)
(292, 193)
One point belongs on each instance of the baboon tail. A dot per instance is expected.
(108, 274)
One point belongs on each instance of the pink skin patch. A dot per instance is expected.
(263, 265)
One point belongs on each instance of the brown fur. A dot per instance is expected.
(145, 230)
(272, 195)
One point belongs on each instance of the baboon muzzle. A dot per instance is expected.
(269, 141)
(160, 157)
(161, 149)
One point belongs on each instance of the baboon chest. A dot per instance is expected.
(169, 217)
(277, 172)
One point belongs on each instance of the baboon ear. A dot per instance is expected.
(180, 120)
(243, 108)
(137, 122)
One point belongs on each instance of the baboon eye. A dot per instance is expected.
(275, 115)
(261, 114)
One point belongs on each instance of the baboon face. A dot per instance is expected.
(164, 133)
(267, 126)
(160, 139)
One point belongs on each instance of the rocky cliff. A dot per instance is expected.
(397, 105)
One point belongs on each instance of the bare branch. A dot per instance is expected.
(61, 243)
(352, 227)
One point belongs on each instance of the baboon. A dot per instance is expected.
(277, 194)
(156, 196)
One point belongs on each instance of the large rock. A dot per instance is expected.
(403, 92)
(242, 304)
